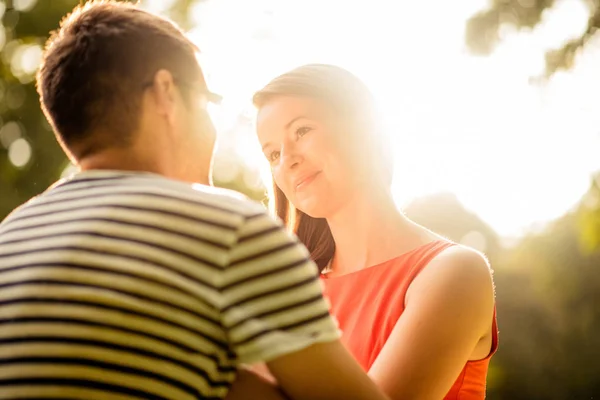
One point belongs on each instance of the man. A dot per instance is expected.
(127, 282)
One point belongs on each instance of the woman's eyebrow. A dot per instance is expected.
(266, 145)
(287, 126)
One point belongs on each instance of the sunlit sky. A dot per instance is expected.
(516, 154)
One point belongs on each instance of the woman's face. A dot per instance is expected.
(309, 152)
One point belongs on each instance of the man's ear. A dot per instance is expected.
(164, 93)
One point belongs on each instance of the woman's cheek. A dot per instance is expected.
(280, 182)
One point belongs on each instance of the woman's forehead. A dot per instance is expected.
(281, 110)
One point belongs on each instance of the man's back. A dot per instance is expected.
(126, 285)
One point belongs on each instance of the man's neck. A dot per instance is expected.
(123, 160)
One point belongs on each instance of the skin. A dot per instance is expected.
(173, 139)
(454, 294)
(176, 139)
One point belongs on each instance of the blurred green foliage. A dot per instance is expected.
(483, 29)
(550, 311)
(548, 285)
(20, 114)
(589, 217)
(548, 302)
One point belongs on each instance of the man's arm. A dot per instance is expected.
(323, 371)
(274, 311)
(249, 385)
(321, 359)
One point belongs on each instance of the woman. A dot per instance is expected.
(416, 310)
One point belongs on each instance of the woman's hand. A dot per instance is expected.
(263, 371)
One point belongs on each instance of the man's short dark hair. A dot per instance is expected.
(96, 66)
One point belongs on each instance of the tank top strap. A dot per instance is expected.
(423, 256)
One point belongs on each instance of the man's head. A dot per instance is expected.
(117, 80)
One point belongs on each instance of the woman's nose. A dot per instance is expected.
(290, 157)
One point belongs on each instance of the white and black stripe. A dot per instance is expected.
(131, 286)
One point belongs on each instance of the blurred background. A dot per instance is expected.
(492, 108)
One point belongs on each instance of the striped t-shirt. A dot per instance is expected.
(117, 285)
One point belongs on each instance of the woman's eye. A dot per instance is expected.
(273, 156)
(303, 130)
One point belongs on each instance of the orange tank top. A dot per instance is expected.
(369, 302)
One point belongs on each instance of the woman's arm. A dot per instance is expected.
(263, 371)
(449, 308)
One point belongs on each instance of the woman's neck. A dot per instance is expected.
(370, 230)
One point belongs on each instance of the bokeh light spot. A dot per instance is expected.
(475, 240)
(24, 5)
(31, 58)
(10, 132)
(19, 152)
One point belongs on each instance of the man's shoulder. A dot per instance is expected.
(143, 192)
(235, 201)
(219, 199)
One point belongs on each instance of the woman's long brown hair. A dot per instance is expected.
(314, 233)
(349, 97)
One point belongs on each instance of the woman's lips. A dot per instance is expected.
(304, 182)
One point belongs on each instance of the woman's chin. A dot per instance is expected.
(315, 209)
